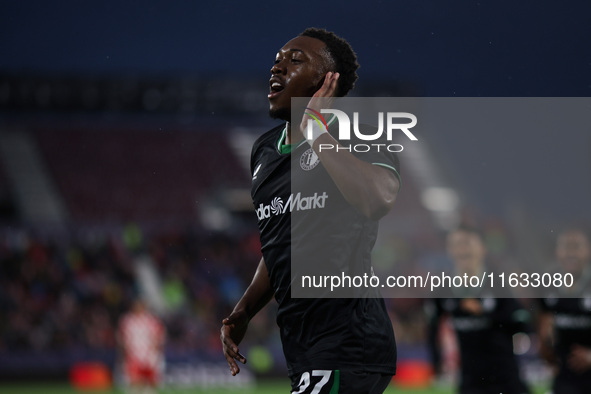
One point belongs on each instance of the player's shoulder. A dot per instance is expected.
(270, 137)
(265, 143)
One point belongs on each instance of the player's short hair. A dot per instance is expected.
(342, 54)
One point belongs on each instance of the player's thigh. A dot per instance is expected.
(341, 382)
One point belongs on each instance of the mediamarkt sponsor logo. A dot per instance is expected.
(294, 203)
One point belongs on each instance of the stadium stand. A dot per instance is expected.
(139, 174)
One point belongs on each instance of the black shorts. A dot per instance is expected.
(339, 382)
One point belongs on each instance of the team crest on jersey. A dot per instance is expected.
(309, 160)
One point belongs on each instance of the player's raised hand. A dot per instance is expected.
(323, 98)
(329, 87)
(233, 330)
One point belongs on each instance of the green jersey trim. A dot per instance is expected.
(391, 168)
(286, 148)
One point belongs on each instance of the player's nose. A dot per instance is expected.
(278, 68)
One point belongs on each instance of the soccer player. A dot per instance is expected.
(484, 326)
(565, 323)
(141, 336)
(343, 345)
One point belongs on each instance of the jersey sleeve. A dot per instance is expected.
(253, 156)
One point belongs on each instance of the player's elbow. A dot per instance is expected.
(385, 197)
(380, 203)
(378, 209)
(376, 196)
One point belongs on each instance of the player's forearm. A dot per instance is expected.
(369, 188)
(258, 294)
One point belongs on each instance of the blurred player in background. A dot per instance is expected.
(484, 326)
(141, 336)
(331, 345)
(565, 323)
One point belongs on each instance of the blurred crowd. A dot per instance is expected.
(60, 292)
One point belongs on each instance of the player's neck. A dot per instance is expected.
(288, 136)
(288, 133)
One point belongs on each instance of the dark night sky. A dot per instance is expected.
(463, 48)
(460, 48)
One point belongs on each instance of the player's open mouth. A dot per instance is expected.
(276, 88)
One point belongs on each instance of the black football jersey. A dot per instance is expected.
(572, 326)
(486, 340)
(302, 215)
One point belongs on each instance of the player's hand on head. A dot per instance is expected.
(323, 98)
(579, 358)
(329, 86)
(232, 332)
